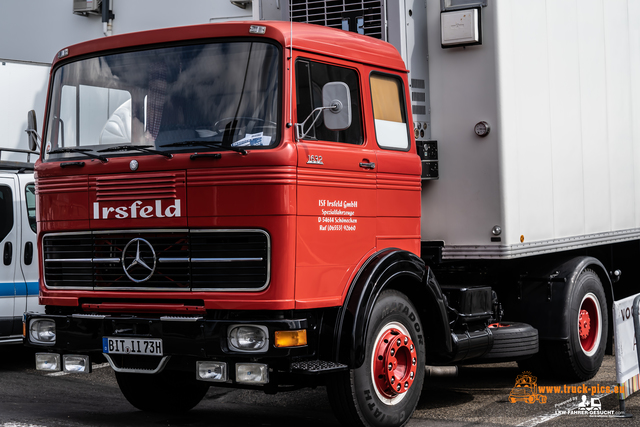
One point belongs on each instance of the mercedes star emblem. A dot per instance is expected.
(138, 260)
(133, 165)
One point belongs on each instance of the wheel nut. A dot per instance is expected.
(411, 347)
(398, 387)
(390, 366)
(406, 340)
(393, 352)
(398, 342)
(414, 361)
(393, 380)
(411, 375)
(406, 385)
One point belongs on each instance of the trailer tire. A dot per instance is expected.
(579, 358)
(511, 341)
(166, 392)
(369, 395)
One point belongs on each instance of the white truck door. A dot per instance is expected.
(29, 253)
(9, 215)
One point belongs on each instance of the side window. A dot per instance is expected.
(389, 112)
(30, 199)
(310, 79)
(6, 211)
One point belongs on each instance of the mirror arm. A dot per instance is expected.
(299, 127)
(34, 132)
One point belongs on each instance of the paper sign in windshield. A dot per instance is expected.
(253, 140)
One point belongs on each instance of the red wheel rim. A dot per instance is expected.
(589, 323)
(394, 363)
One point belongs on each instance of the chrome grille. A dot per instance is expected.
(199, 260)
(330, 13)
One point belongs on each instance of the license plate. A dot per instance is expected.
(124, 345)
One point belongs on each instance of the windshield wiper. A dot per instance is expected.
(84, 151)
(143, 148)
(210, 144)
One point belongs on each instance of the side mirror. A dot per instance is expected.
(336, 101)
(32, 130)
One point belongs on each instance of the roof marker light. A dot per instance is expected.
(257, 29)
(63, 53)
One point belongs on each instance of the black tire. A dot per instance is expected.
(354, 396)
(511, 341)
(166, 392)
(574, 360)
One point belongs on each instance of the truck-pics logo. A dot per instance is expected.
(526, 390)
(137, 209)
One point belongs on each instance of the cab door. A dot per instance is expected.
(29, 253)
(336, 187)
(8, 245)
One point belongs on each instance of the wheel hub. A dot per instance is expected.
(395, 363)
(585, 324)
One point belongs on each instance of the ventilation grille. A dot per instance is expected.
(185, 260)
(331, 13)
(143, 187)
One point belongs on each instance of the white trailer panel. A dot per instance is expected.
(561, 166)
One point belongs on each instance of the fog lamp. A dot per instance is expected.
(42, 331)
(252, 373)
(291, 338)
(212, 371)
(248, 338)
(47, 362)
(76, 363)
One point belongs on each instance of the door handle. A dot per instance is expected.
(28, 253)
(368, 165)
(8, 253)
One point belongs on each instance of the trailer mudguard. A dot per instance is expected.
(543, 296)
(390, 269)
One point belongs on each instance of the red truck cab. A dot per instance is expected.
(234, 204)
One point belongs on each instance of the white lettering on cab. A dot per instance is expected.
(137, 210)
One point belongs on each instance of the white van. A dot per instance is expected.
(19, 266)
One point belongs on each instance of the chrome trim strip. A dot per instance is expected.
(180, 319)
(225, 259)
(107, 260)
(537, 248)
(145, 230)
(87, 260)
(88, 316)
(138, 288)
(12, 339)
(161, 366)
(169, 260)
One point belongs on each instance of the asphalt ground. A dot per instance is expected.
(478, 396)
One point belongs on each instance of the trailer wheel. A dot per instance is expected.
(385, 390)
(580, 358)
(166, 392)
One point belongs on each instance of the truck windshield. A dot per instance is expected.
(221, 94)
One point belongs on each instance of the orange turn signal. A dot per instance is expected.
(291, 338)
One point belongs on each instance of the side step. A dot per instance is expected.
(315, 367)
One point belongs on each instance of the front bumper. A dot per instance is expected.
(186, 340)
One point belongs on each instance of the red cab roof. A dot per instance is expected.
(306, 37)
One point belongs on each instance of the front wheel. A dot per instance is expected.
(385, 390)
(166, 392)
